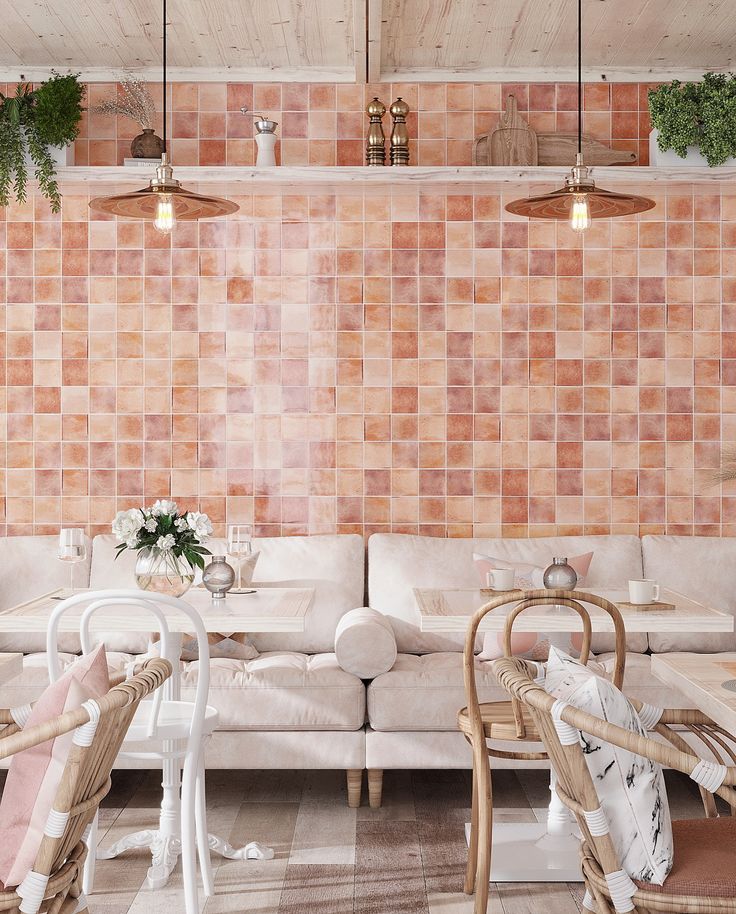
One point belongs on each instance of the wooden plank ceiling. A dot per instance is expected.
(347, 40)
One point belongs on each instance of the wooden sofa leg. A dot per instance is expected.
(355, 784)
(375, 787)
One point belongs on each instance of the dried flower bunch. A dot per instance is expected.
(133, 100)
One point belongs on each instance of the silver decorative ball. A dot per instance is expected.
(218, 577)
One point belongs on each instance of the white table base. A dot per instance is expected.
(166, 850)
(536, 851)
(165, 842)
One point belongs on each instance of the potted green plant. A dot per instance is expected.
(694, 123)
(33, 124)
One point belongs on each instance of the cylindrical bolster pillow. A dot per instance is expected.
(364, 643)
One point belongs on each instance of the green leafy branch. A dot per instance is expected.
(701, 114)
(33, 120)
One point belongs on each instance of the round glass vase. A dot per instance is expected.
(560, 575)
(160, 571)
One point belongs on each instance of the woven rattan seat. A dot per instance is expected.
(499, 722)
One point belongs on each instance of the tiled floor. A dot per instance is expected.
(406, 858)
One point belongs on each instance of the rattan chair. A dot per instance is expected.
(510, 720)
(54, 884)
(703, 877)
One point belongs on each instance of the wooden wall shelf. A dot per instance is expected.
(450, 179)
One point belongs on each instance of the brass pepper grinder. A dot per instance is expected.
(399, 133)
(375, 148)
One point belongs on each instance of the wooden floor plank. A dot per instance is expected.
(533, 897)
(325, 826)
(406, 858)
(319, 888)
(442, 796)
(388, 869)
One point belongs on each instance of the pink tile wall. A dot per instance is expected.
(419, 363)
(325, 124)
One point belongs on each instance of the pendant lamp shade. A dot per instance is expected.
(164, 201)
(144, 203)
(580, 201)
(602, 204)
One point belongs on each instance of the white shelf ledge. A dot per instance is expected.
(316, 179)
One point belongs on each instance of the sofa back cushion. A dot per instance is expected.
(31, 569)
(333, 565)
(702, 568)
(397, 563)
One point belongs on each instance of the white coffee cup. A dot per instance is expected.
(645, 591)
(500, 578)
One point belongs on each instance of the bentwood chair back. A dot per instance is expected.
(170, 731)
(484, 723)
(99, 728)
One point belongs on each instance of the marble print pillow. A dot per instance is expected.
(630, 787)
(530, 645)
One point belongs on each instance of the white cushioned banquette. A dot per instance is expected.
(276, 691)
(397, 563)
(31, 568)
(703, 568)
(425, 692)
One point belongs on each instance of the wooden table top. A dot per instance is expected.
(450, 611)
(11, 665)
(269, 609)
(708, 680)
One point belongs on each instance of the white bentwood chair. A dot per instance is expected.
(180, 728)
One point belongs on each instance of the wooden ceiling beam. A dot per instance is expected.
(375, 32)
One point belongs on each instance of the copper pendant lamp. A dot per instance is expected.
(580, 200)
(164, 201)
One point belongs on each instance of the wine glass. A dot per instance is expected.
(72, 549)
(239, 545)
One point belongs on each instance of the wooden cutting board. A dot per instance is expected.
(512, 142)
(647, 606)
(561, 148)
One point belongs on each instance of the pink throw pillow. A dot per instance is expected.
(530, 645)
(34, 774)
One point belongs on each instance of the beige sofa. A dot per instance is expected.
(295, 706)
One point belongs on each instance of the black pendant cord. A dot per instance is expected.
(164, 74)
(580, 74)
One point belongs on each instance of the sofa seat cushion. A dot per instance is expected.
(704, 569)
(425, 692)
(274, 691)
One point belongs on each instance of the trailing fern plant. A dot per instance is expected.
(701, 114)
(31, 121)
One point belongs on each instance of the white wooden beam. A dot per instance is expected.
(541, 74)
(375, 25)
(191, 74)
(360, 39)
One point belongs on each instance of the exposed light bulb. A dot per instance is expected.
(165, 218)
(579, 213)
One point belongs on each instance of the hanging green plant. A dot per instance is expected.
(32, 121)
(701, 114)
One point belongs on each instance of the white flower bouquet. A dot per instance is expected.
(163, 527)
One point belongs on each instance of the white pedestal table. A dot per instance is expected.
(267, 609)
(549, 851)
